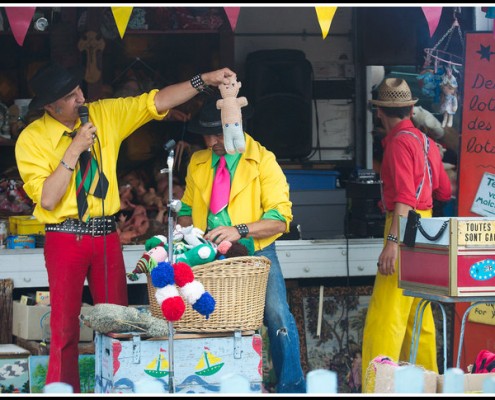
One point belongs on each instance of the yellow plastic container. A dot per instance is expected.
(25, 225)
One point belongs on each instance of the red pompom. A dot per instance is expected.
(182, 273)
(173, 308)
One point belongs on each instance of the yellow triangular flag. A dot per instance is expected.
(121, 16)
(325, 17)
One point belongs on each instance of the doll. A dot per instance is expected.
(230, 112)
(449, 102)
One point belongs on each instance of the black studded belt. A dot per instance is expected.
(94, 226)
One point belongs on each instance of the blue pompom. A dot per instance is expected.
(205, 305)
(162, 275)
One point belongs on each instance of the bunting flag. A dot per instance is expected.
(122, 16)
(325, 17)
(432, 15)
(19, 19)
(232, 15)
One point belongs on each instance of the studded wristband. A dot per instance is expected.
(392, 238)
(198, 83)
(242, 229)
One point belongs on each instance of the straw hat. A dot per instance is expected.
(394, 92)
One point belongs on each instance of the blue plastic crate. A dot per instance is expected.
(311, 179)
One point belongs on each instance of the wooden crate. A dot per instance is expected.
(461, 262)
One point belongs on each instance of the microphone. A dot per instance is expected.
(84, 116)
(169, 145)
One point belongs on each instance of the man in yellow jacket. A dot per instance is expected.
(257, 207)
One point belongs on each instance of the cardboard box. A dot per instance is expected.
(458, 263)
(380, 378)
(473, 383)
(384, 376)
(42, 298)
(15, 370)
(200, 361)
(33, 322)
(25, 225)
(21, 242)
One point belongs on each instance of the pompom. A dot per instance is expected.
(173, 308)
(192, 291)
(162, 275)
(205, 305)
(182, 273)
(224, 246)
(165, 293)
(237, 250)
(205, 252)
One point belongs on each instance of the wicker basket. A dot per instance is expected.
(237, 284)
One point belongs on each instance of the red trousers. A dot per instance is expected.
(70, 259)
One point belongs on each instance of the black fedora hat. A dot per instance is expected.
(52, 82)
(208, 120)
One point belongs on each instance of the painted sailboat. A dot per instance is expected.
(158, 367)
(208, 364)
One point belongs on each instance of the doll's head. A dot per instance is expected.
(449, 89)
(230, 89)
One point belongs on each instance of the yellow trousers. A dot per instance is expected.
(389, 324)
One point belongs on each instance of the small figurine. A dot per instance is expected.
(449, 102)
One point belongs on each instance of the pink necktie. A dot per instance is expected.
(220, 191)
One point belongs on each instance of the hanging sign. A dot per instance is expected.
(477, 147)
(483, 313)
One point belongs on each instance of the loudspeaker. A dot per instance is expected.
(278, 84)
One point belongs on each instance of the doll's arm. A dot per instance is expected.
(242, 101)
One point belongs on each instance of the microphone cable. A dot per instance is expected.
(105, 261)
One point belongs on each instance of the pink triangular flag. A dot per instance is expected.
(325, 16)
(19, 20)
(432, 15)
(122, 16)
(232, 15)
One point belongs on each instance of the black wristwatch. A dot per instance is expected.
(242, 229)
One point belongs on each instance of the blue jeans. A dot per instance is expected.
(282, 329)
